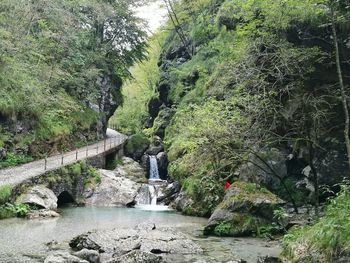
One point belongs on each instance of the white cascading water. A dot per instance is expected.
(153, 194)
(147, 197)
(153, 168)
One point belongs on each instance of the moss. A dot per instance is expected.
(248, 192)
(137, 142)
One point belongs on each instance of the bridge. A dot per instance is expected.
(18, 174)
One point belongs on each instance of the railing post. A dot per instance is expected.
(62, 156)
(97, 149)
(76, 154)
(45, 163)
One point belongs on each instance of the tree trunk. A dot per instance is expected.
(341, 84)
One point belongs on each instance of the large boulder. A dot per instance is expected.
(145, 238)
(132, 170)
(114, 190)
(246, 207)
(39, 196)
(136, 145)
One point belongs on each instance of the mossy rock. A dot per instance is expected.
(136, 145)
(245, 209)
(237, 226)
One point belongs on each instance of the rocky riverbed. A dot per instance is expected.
(35, 240)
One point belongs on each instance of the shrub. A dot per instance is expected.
(5, 194)
(13, 160)
(328, 239)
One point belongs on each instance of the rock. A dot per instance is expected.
(162, 165)
(3, 153)
(91, 256)
(39, 196)
(145, 162)
(268, 259)
(137, 256)
(136, 146)
(42, 214)
(245, 207)
(132, 170)
(154, 150)
(162, 121)
(170, 193)
(144, 238)
(113, 191)
(63, 257)
(182, 201)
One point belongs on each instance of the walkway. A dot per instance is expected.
(18, 174)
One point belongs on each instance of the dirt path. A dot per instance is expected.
(18, 174)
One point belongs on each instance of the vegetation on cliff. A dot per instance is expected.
(251, 75)
(61, 68)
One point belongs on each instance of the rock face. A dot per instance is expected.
(132, 170)
(113, 190)
(169, 194)
(182, 202)
(133, 245)
(245, 208)
(40, 196)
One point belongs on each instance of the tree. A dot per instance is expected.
(334, 16)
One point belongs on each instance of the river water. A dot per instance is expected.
(25, 240)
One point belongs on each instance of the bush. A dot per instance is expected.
(136, 145)
(5, 194)
(327, 240)
(12, 210)
(13, 160)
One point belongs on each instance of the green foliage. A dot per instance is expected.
(5, 194)
(13, 160)
(328, 239)
(76, 169)
(92, 177)
(12, 210)
(114, 164)
(136, 142)
(54, 56)
(132, 115)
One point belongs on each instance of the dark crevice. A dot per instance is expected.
(65, 199)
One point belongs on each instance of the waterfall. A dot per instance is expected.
(153, 194)
(153, 168)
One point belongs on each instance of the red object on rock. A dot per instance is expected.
(227, 185)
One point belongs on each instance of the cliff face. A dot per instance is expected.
(61, 71)
(251, 85)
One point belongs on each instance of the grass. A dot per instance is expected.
(5, 194)
(327, 240)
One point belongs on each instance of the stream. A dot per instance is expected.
(25, 240)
